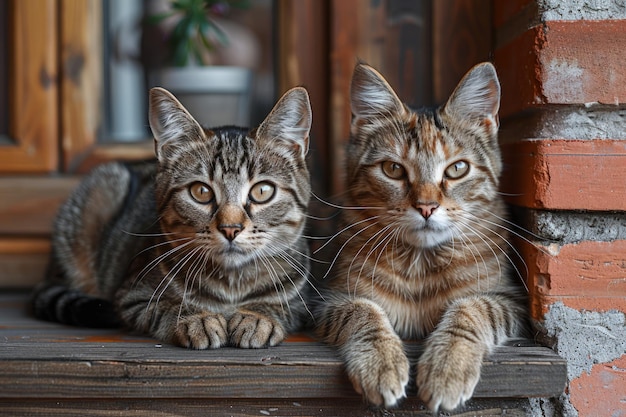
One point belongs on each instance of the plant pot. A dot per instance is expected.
(214, 95)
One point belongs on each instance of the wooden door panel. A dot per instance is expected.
(32, 143)
(81, 78)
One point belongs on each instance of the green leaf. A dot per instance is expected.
(155, 19)
(206, 42)
(221, 36)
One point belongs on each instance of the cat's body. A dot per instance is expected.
(201, 248)
(423, 251)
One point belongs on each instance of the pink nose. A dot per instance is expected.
(427, 209)
(230, 231)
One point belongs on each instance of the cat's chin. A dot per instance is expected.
(428, 238)
(232, 257)
(231, 261)
(429, 234)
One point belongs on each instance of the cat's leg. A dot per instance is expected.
(372, 352)
(450, 366)
(167, 317)
(267, 322)
(202, 330)
(258, 325)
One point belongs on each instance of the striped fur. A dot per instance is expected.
(202, 248)
(423, 250)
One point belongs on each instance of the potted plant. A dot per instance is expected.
(194, 32)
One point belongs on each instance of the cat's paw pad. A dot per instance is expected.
(381, 374)
(254, 330)
(201, 331)
(447, 381)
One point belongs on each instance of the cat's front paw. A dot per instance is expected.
(254, 330)
(446, 378)
(201, 331)
(380, 374)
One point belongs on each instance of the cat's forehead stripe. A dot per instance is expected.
(424, 132)
(232, 151)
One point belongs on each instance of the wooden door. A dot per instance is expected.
(30, 142)
(52, 56)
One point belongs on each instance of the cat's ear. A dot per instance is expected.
(477, 97)
(371, 95)
(289, 122)
(170, 122)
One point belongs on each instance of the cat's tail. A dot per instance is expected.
(60, 303)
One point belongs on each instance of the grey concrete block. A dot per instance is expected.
(582, 9)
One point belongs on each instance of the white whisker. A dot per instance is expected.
(346, 207)
(343, 230)
(504, 252)
(344, 245)
(374, 236)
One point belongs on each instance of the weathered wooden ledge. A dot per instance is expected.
(49, 369)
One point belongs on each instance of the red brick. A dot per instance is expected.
(581, 62)
(602, 392)
(584, 276)
(565, 174)
(564, 62)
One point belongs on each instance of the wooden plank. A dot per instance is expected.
(404, 49)
(33, 88)
(46, 360)
(462, 37)
(4, 65)
(81, 78)
(115, 152)
(303, 60)
(243, 407)
(28, 205)
(23, 261)
(20, 246)
(347, 18)
(292, 370)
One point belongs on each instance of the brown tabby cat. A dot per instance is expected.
(202, 248)
(423, 249)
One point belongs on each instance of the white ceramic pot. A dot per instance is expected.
(214, 95)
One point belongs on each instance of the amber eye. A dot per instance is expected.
(393, 170)
(262, 192)
(457, 170)
(201, 192)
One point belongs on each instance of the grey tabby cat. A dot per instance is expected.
(423, 250)
(202, 248)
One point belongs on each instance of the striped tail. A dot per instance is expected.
(60, 303)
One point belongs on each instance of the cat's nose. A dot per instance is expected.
(427, 209)
(230, 231)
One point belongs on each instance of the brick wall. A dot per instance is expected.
(562, 66)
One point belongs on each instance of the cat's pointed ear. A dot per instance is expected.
(289, 122)
(170, 122)
(477, 97)
(371, 95)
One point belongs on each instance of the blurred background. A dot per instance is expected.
(74, 77)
